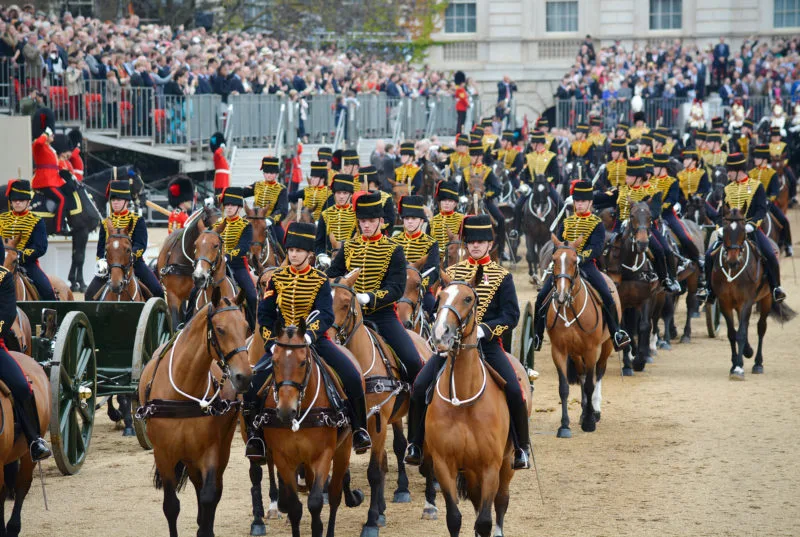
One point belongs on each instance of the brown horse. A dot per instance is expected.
(467, 421)
(176, 262)
(189, 392)
(15, 455)
(782, 201)
(297, 213)
(264, 250)
(210, 267)
(409, 307)
(455, 251)
(122, 284)
(580, 340)
(301, 427)
(387, 395)
(739, 282)
(25, 288)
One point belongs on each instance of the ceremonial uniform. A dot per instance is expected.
(765, 175)
(408, 174)
(314, 197)
(670, 190)
(237, 236)
(497, 312)
(136, 227)
(443, 222)
(538, 163)
(491, 190)
(693, 181)
(599, 140)
(778, 151)
(32, 233)
(179, 192)
(46, 178)
(582, 151)
(459, 160)
(222, 170)
(512, 159)
(418, 245)
(272, 195)
(638, 130)
(336, 220)
(76, 161)
(370, 176)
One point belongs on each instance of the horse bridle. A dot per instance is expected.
(300, 387)
(267, 244)
(126, 269)
(569, 303)
(420, 292)
(462, 321)
(571, 278)
(212, 341)
(343, 334)
(213, 264)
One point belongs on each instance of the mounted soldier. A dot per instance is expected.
(765, 175)
(581, 152)
(747, 195)
(20, 222)
(270, 194)
(46, 178)
(447, 219)
(614, 173)
(497, 311)
(489, 141)
(298, 292)
(337, 221)
(513, 160)
(718, 127)
(407, 176)
(316, 195)
(222, 170)
(639, 126)
(481, 177)
(181, 196)
(460, 159)
(76, 146)
(779, 153)
(417, 244)
(599, 140)
(585, 230)
(351, 165)
(369, 175)
(714, 156)
(744, 139)
(622, 131)
(325, 154)
(645, 146)
(692, 181)
(543, 126)
(538, 163)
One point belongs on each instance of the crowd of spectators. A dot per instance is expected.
(680, 69)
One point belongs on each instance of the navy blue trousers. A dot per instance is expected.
(674, 223)
(39, 279)
(147, 278)
(242, 276)
(392, 330)
(11, 373)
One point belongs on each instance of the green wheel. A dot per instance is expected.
(154, 329)
(713, 316)
(73, 383)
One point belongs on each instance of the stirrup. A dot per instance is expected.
(778, 295)
(621, 339)
(40, 450)
(513, 234)
(522, 459)
(255, 448)
(537, 342)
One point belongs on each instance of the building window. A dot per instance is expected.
(459, 18)
(787, 13)
(562, 17)
(665, 14)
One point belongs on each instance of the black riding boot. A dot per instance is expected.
(620, 337)
(416, 433)
(521, 437)
(361, 440)
(29, 423)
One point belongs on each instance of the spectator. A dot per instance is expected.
(505, 92)
(721, 54)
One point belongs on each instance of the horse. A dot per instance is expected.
(122, 284)
(467, 421)
(431, 176)
(580, 341)
(455, 251)
(782, 201)
(15, 481)
(409, 307)
(538, 215)
(190, 407)
(626, 262)
(175, 263)
(297, 213)
(386, 394)
(210, 267)
(26, 291)
(264, 250)
(739, 282)
(301, 427)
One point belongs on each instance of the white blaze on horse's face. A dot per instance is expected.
(562, 282)
(540, 188)
(440, 328)
(115, 244)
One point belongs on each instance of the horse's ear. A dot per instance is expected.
(576, 242)
(351, 277)
(301, 328)
(216, 296)
(201, 225)
(556, 243)
(420, 264)
(446, 279)
(240, 298)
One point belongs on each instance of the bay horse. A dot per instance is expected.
(409, 307)
(26, 291)
(264, 250)
(580, 342)
(538, 215)
(122, 284)
(467, 421)
(15, 456)
(387, 396)
(176, 261)
(739, 282)
(455, 251)
(210, 267)
(189, 396)
(782, 201)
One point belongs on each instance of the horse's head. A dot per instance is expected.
(12, 254)
(457, 315)
(346, 310)
(292, 369)
(639, 223)
(696, 210)
(412, 296)
(257, 216)
(565, 270)
(719, 175)
(734, 235)
(541, 190)
(119, 255)
(208, 256)
(226, 334)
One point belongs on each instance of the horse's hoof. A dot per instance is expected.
(324, 498)
(664, 344)
(597, 416)
(354, 499)
(686, 339)
(588, 426)
(748, 351)
(114, 414)
(758, 369)
(402, 497)
(258, 528)
(370, 531)
(648, 359)
(430, 512)
(695, 315)
(273, 513)
(627, 372)
(638, 365)
(564, 432)
(128, 432)
(737, 374)
(381, 521)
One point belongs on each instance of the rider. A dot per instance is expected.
(745, 139)
(589, 229)
(417, 244)
(597, 138)
(271, 194)
(622, 131)
(718, 127)
(20, 222)
(489, 141)
(222, 170)
(295, 292)
(325, 154)
(14, 377)
(490, 190)
(460, 159)
(237, 235)
(119, 194)
(316, 194)
(369, 175)
(543, 126)
(381, 281)
(46, 178)
(615, 168)
(180, 194)
(645, 146)
(634, 190)
(778, 151)
(338, 220)
(75, 159)
(447, 219)
(582, 150)
(765, 175)
(538, 162)
(497, 311)
(408, 173)
(744, 191)
(715, 156)
(639, 126)
(513, 161)
(693, 181)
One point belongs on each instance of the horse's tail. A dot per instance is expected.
(181, 475)
(461, 486)
(572, 372)
(782, 312)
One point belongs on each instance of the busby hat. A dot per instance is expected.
(447, 190)
(300, 235)
(412, 207)
(761, 151)
(508, 136)
(446, 150)
(350, 157)
(19, 190)
(336, 160)
(638, 116)
(542, 122)
(486, 122)
(635, 167)
(736, 161)
(477, 134)
(270, 165)
(646, 139)
(582, 127)
(775, 131)
(120, 190)
(716, 122)
(648, 164)
(75, 138)
(61, 144)
(691, 153)
(475, 148)
(180, 189)
(369, 205)
(342, 182)
(660, 159)
(538, 138)
(623, 125)
(407, 148)
(217, 140)
(748, 123)
(368, 174)
(582, 191)
(233, 195)
(477, 228)
(462, 139)
(714, 137)
(459, 77)
(596, 121)
(619, 144)
(325, 153)
(658, 137)
(700, 135)
(319, 168)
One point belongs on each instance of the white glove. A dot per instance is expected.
(749, 228)
(268, 222)
(48, 131)
(209, 201)
(523, 189)
(101, 269)
(463, 199)
(568, 201)
(481, 333)
(363, 298)
(324, 260)
(677, 208)
(458, 178)
(308, 338)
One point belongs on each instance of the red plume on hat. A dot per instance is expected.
(697, 101)
(572, 186)
(8, 187)
(358, 195)
(175, 190)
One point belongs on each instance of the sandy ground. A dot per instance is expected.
(681, 450)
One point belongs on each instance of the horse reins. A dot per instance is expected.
(573, 280)
(126, 269)
(213, 264)
(342, 332)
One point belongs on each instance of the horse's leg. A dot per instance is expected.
(257, 527)
(341, 460)
(80, 238)
(446, 474)
(430, 511)
(21, 483)
(529, 254)
(502, 498)
(320, 469)
(375, 478)
(169, 482)
(643, 329)
(399, 443)
(668, 314)
(691, 307)
(628, 322)
(352, 498)
(127, 417)
(741, 339)
(382, 490)
(589, 423)
(272, 512)
(764, 307)
(206, 488)
(728, 315)
(560, 360)
(489, 485)
(287, 497)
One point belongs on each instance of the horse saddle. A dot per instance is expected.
(333, 383)
(390, 365)
(492, 372)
